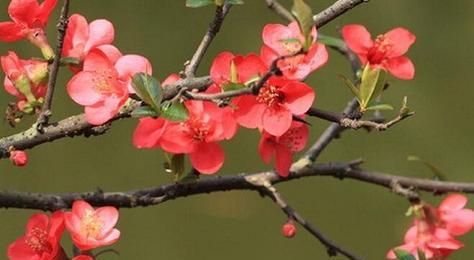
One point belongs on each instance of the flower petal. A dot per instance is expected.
(220, 68)
(207, 158)
(283, 160)
(453, 202)
(76, 36)
(357, 38)
(103, 111)
(10, 32)
(23, 11)
(148, 132)
(266, 147)
(176, 139)
(109, 217)
(249, 112)
(298, 97)
(277, 120)
(101, 32)
(401, 67)
(45, 11)
(401, 40)
(96, 60)
(127, 66)
(81, 89)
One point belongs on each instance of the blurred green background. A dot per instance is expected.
(240, 225)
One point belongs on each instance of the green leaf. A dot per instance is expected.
(144, 111)
(331, 41)
(403, 255)
(235, 2)
(304, 15)
(352, 88)
(233, 86)
(71, 61)
(174, 111)
(368, 84)
(198, 3)
(421, 255)
(438, 174)
(380, 84)
(148, 89)
(379, 107)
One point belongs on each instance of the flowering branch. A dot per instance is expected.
(54, 67)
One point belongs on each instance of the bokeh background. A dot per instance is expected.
(240, 225)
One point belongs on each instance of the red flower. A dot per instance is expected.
(274, 106)
(102, 86)
(29, 20)
(19, 158)
(282, 147)
(281, 40)
(41, 239)
(92, 228)
(245, 68)
(25, 79)
(288, 230)
(454, 217)
(387, 51)
(82, 37)
(83, 257)
(198, 136)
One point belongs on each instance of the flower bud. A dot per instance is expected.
(289, 229)
(19, 158)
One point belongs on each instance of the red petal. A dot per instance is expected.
(283, 160)
(109, 217)
(401, 40)
(401, 67)
(19, 250)
(249, 67)
(266, 147)
(316, 57)
(249, 112)
(459, 222)
(296, 137)
(101, 32)
(453, 202)
(220, 68)
(45, 10)
(39, 220)
(76, 36)
(148, 132)
(24, 11)
(207, 158)
(176, 139)
(103, 111)
(96, 60)
(357, 38)
(112, 53)
(127, 66)
(298, 97)
(10, 32)
(267, 55)
(81, 89)
(277, 120)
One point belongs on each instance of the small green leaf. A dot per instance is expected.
(379, 87)
(174, 111)
(199, 3)
(352, 88)
(234, 76)
(304, 15)
(331, 41)
(379, 107)
(177, 166)
(403, 255)
(71, 61)
(438, 174)
(369, 80)
(233, 86)
(147, 88)
(144, 111)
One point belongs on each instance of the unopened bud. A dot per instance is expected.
(19, 158)
(289, 229)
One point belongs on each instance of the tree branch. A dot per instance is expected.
(276, 7)
(160, 194)
(335, 10)
(214, 27)
(43, 117)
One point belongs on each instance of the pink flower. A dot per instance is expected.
(288, 230)
(29, 20)
(387, 51)
(281, 40)
(19, 158)
(273, 108)
(41, 239)
(102, 86)
(92, 228)
(435, 243)
(454, 217)
(283, 147)
(198, 136)
(25, 79)
(246, 68)
(82, 37)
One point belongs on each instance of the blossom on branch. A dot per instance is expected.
(280, 40)
(19, 158)
(387, 51)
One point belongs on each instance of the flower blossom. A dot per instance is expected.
(92, 228)
(280, 40)
(102, 86)
(387, 51)
(19, 158)
(41, 239)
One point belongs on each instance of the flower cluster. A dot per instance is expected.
(434, 229)
(89, 229)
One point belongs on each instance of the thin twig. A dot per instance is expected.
(335, 10)
(160, 194)
(331, 247)
(280, 10)
(43, 117)
(214, 27)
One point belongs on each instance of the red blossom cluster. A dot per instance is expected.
(89, 229)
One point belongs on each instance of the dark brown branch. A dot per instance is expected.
(160, 194)
(335, 10)
(43, 117)
(331, 247)
(214, 27)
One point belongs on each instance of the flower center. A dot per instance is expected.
(269, 95)
(91, 224)
(104, 82)
(378, 53)
(37, 240)
(292, 46)
(199, 129)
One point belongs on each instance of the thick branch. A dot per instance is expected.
(160, 194)
(43, 118)
(214, 27)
